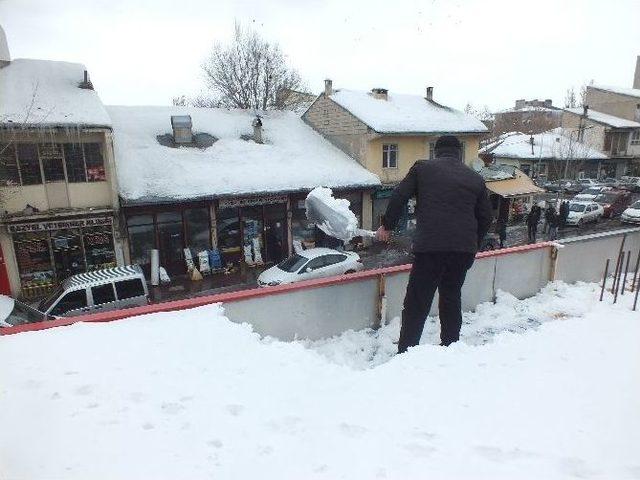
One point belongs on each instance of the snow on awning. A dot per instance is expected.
(519, 185)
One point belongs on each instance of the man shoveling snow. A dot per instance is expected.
(453, 215)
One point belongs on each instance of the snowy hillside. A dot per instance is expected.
(542, 388)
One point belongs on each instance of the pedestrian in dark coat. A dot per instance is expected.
(533, 219)
(553, 221)
(453, 214)
(564, 213)
(548, 212)
(501, 230)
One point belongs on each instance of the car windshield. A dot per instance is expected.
(22, 314)
(45, 304)
(636, 205)
(576, 207)
(293, 263)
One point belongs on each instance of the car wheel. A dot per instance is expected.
(580, 223)
(349, 272)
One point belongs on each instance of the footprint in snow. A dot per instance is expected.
(148, 426)
(83, 390)
(234, 410)
(419, 450)
(352, 430)
(215, 443)
(172, 408)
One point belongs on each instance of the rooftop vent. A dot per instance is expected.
(86, 82)
(430, 93)
(181, 125)
(328, 87)
(380, 93)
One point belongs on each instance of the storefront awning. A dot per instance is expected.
(518, 186)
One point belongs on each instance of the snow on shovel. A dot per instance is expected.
(333, 216)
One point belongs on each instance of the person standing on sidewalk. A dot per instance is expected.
(533, 219)
(453, 214)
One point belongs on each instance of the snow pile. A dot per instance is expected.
(293, 156)
(605, 118)
(553, 144)
(405, 113)
(46, 93)
(191, 395)
(332, 215)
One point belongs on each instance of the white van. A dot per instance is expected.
(97, 291)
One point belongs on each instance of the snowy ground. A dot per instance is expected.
(543, 388)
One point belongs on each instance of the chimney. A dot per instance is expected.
(520, 104)
(328, 87)
(86, 82)
(636, 76)
(257, 129)
(585, 110)
(430, 94)
(380, 93)
(5, 57)
(181, 125)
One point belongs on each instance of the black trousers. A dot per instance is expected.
(444, 271)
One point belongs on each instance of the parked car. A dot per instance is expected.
(610, 182)
(556, 186)
(588, 194)
(99, 290)
(589, 182)
(584, 212)
(572, 187)
(614, 202)
(310, 264)
(630, 183)
(631, 214)
(13, 312)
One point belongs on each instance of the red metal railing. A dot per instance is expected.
(243, 294)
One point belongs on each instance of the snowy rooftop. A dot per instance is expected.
(605, 118)
(632, 92)
(540, 388)
(531, 108)
(46, 93)
(293, 156)
(405, 113)
(554, 144)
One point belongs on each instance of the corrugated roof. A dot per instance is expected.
(518, 186)
(105, 274)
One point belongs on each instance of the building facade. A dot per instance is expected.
(57, 177)
(387, 133)
(528, 116)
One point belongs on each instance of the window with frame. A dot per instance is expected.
(103, 294)
(52, 162)
(29, 164)
(314, 264)
(635, 137)
(74, 161)
(94, 162)
(71, 301)
(9, 174)
(390, 155)
(129, 288)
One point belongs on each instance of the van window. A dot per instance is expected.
(103, 294)
(71, 301)
(129, 288)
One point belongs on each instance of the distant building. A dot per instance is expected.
(388, 132)
(57, 176)
(528, 116)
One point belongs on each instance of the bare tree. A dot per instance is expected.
(570, 98)
(252, 73)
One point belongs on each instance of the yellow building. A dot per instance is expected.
(387, 133)
(58, 199)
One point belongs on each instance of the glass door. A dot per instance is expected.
(68, 254)
(171, 242)
(275, 232)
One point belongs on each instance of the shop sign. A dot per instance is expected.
(383, 192)
(59, 224)
(249, 201)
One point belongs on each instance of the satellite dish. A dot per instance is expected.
(477, 165)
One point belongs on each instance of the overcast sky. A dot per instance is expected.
(480, 51)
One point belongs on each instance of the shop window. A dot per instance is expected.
(103, 294)
(141, 238)
(389, 156)
(52, 165)
(34, 263)
(302, 230)
(9, 174)
(29, 164)
(129, 289)
(171, 241)
(71, 301)
(68, 255)
(74, 161)
(275, 227)
(228, 233)
(252, 230)
(98, 247)
(198, 229)
(95, 163)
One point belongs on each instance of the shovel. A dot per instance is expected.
(333, 216)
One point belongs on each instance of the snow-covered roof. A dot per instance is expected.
(293, 157)
(531, 108)
(552, 145)
(632, 92)
(47, 93)
(405, 113)
(605, 118)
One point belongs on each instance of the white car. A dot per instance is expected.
(631, 214)
(590, 193)
(13, 313)
(310, 264)
(583, 212)
(589, 182)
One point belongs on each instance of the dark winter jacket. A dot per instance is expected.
(534, 215)
(553, 219)
(453, 212)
